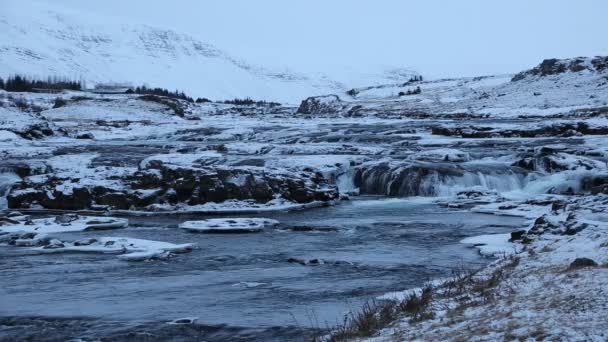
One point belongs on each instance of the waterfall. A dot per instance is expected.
(7, 179)
(417, 179)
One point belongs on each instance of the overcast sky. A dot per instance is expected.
(435, 37)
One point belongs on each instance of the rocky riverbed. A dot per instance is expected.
(244, 220)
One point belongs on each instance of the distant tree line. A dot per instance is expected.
(249, 102)
(160, 92)
(19, 83)
(413, 79)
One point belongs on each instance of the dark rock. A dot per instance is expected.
(85, 136)
(559, 66)
(328, 104)
(115, 200)
(517, 235)
(558, 205)
(188, 185)
(582, 262)
(297, 261)
(85, 242)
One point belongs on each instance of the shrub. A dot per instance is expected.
(144, 90)
(202, 100)
(353, 92)
(415, 91)
(413, 79)
(249, 102)
(21, 103)
(172, 104)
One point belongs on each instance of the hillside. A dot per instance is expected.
(41, 41)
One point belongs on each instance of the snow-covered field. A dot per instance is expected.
(354, 189)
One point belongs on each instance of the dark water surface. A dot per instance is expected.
(243, 283)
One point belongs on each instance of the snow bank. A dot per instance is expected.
(493, 244)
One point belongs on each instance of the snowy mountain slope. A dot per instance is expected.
(553, 87)
(40, 41)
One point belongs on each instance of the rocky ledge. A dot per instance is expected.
(168, 182)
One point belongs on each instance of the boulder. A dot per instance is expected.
(581, 263)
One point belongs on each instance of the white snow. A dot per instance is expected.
(129, 249)
(249, 225)
(493, 244)
(81, 223)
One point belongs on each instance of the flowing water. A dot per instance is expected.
(370, 246)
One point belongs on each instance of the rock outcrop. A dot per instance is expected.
(328, 104)
(559, 66)
(158, 183)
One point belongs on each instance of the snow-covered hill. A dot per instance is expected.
(553, 87)
(40, 40)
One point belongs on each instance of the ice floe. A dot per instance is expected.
(228, 226)
(65, 223)
(129, 249)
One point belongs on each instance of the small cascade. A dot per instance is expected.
(7, 179)
(345, 183)
(434, 180)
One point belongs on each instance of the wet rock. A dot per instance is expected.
(297, 261)
(303, 228)
(552, 130)
(85, 242)
(581, 263)
(87, 135)
(552, 160)
(517, 235)
(62, 219)
(597, 184)
(54, 244)
(115, 200)
(174, 185)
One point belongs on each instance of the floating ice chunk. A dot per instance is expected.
(228, 226)
(185, 320)
(493, 244)
(129, 248)
(66, 223)
(249, 284)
